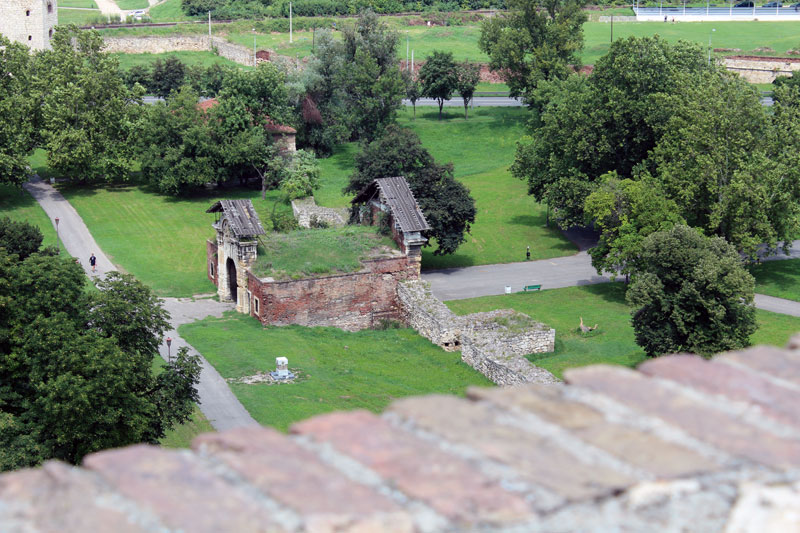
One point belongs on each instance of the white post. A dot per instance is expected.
(209, 26)
(290, 22)
(254, 48)
(730, 9)
(707, 7)
(709, 44)
(407, 50)
(412, 62)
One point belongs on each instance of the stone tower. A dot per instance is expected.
(30, 22)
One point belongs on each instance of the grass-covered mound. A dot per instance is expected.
(336, 369)
(317, 252)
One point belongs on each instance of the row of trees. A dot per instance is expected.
(439, 77)
(670, 157)
(76, 366)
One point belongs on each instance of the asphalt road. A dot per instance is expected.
(217, 402)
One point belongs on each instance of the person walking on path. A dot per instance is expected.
(93, 261)
(528, 254)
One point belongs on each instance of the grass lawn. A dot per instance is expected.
(481, 149)
(81, 17)
(491, 87)
(87, 4)
(603, 304)
(159, 239)
(18, 205)
(168, 11)
(306, 253)
(778, 278)
(337, 370)
(205, 59)
(128, 5)
(181, 436)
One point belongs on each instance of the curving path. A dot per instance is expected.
(217, 402)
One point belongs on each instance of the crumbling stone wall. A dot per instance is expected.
(348, 301)
(489, 342)
(159, 44)
(761, 69)
(305, 208)
(212, 261)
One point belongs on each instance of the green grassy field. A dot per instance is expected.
(337, 370)
(306, 253)
(80, 17)
(18, 205)
(128, 5)
(604, 304)
(205, 59)
(86, 4)
(168, 11)
(181, 436)
(481, 149)
(778, 278)
(158, 239)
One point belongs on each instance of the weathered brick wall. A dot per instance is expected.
(211, 259)
(683, 445)
(761, 69)
(348, 301)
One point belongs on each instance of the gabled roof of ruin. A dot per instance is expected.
(400, 199)
(241, 215)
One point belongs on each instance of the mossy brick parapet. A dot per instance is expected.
(673, 447)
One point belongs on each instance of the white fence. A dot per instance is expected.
(709, 13)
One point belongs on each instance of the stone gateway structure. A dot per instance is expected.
(30, 22)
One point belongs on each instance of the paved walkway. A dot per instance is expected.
(217, 402)
(488, 280)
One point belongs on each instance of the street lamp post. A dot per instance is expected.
(408, 66)
(58, 242)
(169, 351)
(709, 44)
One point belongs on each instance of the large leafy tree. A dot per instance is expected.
(76, 366)
(353, 88)
(469, 74)
(167, 76)
(84, 112)
(690, 293)
(446, 203)
(439, 77)
(17, 128)
(535, 40)
(626, 212)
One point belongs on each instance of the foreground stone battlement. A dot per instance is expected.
(682, 444)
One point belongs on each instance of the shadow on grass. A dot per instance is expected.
(437, 262)
(782, 274)
(610, 292)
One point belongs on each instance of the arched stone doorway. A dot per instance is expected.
(232, 283)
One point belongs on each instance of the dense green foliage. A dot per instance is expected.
(19, 238)
(654, 110)
(690, 294)
(17, 133)
(445, 202)
(352, 88)
(75, 365)
(337, 370)
(536, 40)
(469, 75)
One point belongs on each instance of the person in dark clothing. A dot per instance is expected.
(528, 254)
(93, 261)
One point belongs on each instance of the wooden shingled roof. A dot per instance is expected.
(401, 201)
(241, 215)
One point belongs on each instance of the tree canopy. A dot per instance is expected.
(534, 41)
(691, 294)
(445, 202)
(17, 130)
(76, 367)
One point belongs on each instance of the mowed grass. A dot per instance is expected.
(86, 4)
(127, 5)
(168, 11)
(182, 435)
(203, 59)
(81, 17)
(481, 150)
(314, 252)
(604, 305)
(158, 239)
(778, 278)
(337, 370)
(18, 205)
